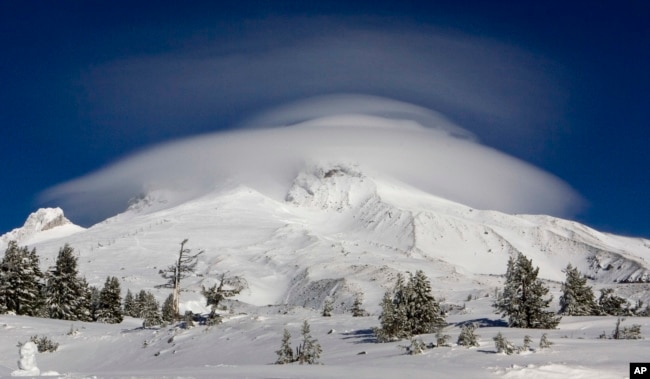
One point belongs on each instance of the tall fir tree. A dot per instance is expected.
(577, 298)
(68, 295)
(94, 302)
(21, 285)
(522, 299)
(110, 302)
(130, 306)
(285, 354)
(422, 310)
(149, 309)
(168, 309)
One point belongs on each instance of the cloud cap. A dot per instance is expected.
(382, 136)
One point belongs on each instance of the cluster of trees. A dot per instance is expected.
(59, 293)
(578, 299)
(523, 299)
(409, 309)
(62, 293)
(307, 352)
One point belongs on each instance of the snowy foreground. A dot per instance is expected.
(244, 347)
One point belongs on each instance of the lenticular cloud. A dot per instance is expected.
(383, 137)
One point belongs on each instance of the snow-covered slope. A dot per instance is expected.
(340, 231)
(44, 224)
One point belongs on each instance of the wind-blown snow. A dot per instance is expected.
(432, 158)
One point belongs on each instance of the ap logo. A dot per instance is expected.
(639, 370)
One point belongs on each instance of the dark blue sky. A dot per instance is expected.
(563, 87)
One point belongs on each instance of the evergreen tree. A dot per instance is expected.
(422, 309)
(577, 298)
(130, 306)
(393, 316)
(544, 342)
(411, 310)
(467, 336)
(285, 354)
(110, 302)
(141, 300)
(309, 351)
(357, 307)
(503, 345)
(94, 302)
(611, 304)
(168, 309)
(21, 285)
(150, 310)
(328, 307)
(68, 296)
(522, 299)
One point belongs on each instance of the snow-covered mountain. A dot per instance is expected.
(44, 224)
(339, 231)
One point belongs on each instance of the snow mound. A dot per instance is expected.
(43, 224)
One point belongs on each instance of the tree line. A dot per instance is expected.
(62, 293)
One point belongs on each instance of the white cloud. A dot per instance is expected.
(348, 128)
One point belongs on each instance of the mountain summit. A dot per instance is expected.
(340, 230)
(45, 223)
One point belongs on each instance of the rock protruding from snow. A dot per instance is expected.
(43, 220)
(27, 362)
(335, 187)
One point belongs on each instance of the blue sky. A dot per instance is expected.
(562, 87)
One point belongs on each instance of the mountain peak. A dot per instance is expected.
(330, 186)
(44, 219)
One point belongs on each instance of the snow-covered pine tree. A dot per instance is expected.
(611, 304)
(411, 310)
(393, 321)
(130, 306)
(422, 310)
(94, 302)
(68, 295)
(467, 336)
(544, 342)
(328, 307)
(309, 351)
(150, 311)
(285, 354)
(522, 299)
(503, 345)
(168, 309)
(21, 285)
(357, 307)
(526, 346)
(577, 298)
(110, 302)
